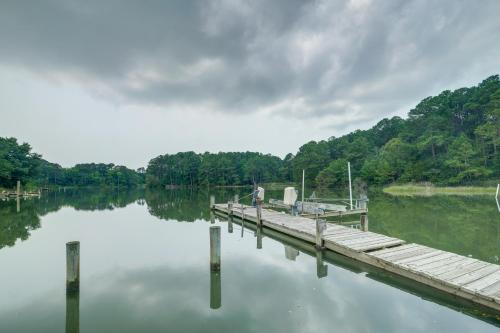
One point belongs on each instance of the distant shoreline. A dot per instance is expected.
(429, 190)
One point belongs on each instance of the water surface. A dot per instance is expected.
(144, 268)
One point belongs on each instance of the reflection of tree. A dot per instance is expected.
(183, 205)
(463, 225)
(14, 226)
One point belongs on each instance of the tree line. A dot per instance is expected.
(452, 138)
(18, 162)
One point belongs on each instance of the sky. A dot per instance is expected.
(125, 81)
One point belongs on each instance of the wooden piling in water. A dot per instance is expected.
(212, 201)
(72, 267)
(363, 220)
(230, 208)
(215, 248)
(320, 226)
(259, 215)
(236, 198)
(18, 191)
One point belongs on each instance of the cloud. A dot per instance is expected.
(319, 59)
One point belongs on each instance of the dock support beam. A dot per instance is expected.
(72, 267)
(363, 220)
(215, 248)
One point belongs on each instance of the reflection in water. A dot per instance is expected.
(291, 253)
(215, 290)
(230, 224)
(321, 268)
(73, 312)
(258, 233)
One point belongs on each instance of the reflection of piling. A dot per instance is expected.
(212, 218)
(215, 290)
(215, 248)
(363, 220)
(18, 204)
(321, 268)
(73, 313)
(230, 224)
(291, 253)
(72, 267)
(259, 238)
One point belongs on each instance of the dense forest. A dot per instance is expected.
(452, 138)
(18, 162)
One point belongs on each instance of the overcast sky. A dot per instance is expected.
(125, 81)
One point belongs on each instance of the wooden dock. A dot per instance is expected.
(465, 277)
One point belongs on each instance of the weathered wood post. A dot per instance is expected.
(321, 268)
(212, 201)
(259, 238)
(73, 313)
(72, 267)
(259, 214)
(18, 191)
(320, 227)
(363, 220)
(215, 290)
(212, 217)
(236, 198)
(215, 248)
(230, 208)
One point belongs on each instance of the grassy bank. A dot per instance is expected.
(428, 190)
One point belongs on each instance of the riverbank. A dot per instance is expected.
(429, 190)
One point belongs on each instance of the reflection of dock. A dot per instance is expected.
(468, 278)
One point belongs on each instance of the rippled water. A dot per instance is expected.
(145, 268)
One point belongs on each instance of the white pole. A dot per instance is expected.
(350, 184)
(303, 181)
(496, 197)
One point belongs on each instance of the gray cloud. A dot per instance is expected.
(356, 59)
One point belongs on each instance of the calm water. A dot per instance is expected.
(144, 268)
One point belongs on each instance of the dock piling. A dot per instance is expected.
(259, 215)
(230, 208)
(236, 198)
(73, 313)
(18, 191)
(363, 220)
(212, 201)
(320, 227)
(215, 248)
(72, 267)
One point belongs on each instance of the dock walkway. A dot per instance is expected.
(465, 277)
